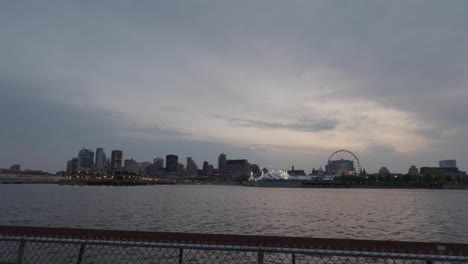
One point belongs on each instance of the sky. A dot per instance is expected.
(280, 83)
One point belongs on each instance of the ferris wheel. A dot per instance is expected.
(343, 160)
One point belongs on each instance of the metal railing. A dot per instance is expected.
(79, 246)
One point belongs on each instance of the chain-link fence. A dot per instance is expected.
(49, 245)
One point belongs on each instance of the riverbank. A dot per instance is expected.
(264, 184)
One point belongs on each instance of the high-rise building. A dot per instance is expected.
(100, 161)
(116, 160)
(172, 162)
(159, 163)
(180, 169)
(448, 163)
(207, 168)
(72, 165)
(69, 166)
(191, 168)
(85, 159)
(222, 163)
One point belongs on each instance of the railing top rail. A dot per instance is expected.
(240, 240)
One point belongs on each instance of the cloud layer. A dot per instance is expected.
(278, 82)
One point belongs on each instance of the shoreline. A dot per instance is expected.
(264, 185)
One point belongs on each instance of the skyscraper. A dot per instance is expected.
(72, 165)
(222, 163)
(207, 168)
(85, 159)
(159, 163)
(172, 162)
(191, 168)
(116, 160)
(100, 160)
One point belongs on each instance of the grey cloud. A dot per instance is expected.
(405, 55)
(43, 134)
(306, 125)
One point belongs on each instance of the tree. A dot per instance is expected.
(427, 178)
(371, 179)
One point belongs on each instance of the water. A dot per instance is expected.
(410, 215)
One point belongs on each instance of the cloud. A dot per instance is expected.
(293, 79)
(300, 125)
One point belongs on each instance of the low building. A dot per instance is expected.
(15, 167)
(413, 171)
(448, 164)
(130, 165)
(438, 171)
(384, 171)
(255, 169)
(294, 172)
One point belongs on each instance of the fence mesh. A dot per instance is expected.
(27, 249)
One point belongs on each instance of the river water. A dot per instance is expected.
(410, 215)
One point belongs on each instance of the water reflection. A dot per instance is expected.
(414, 215)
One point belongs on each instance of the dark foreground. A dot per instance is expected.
(61, 245)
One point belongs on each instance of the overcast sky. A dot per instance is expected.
(277, 82)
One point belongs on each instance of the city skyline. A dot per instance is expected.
(280, 84)
(117, 161)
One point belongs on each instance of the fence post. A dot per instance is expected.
(260, 257)
(81, 254)
(181, 255)
(293, 258)
(21, 252)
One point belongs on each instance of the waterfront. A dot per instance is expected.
(410, 215)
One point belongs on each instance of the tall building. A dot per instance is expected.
(116, 160)
(180, 169)
(159, 163)
(191, 168)
(222, 163)
(100, 161)
(69, 166)
(207, 168)
(85, 159)
(172, 162)
(72, 165)
(448, 163)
